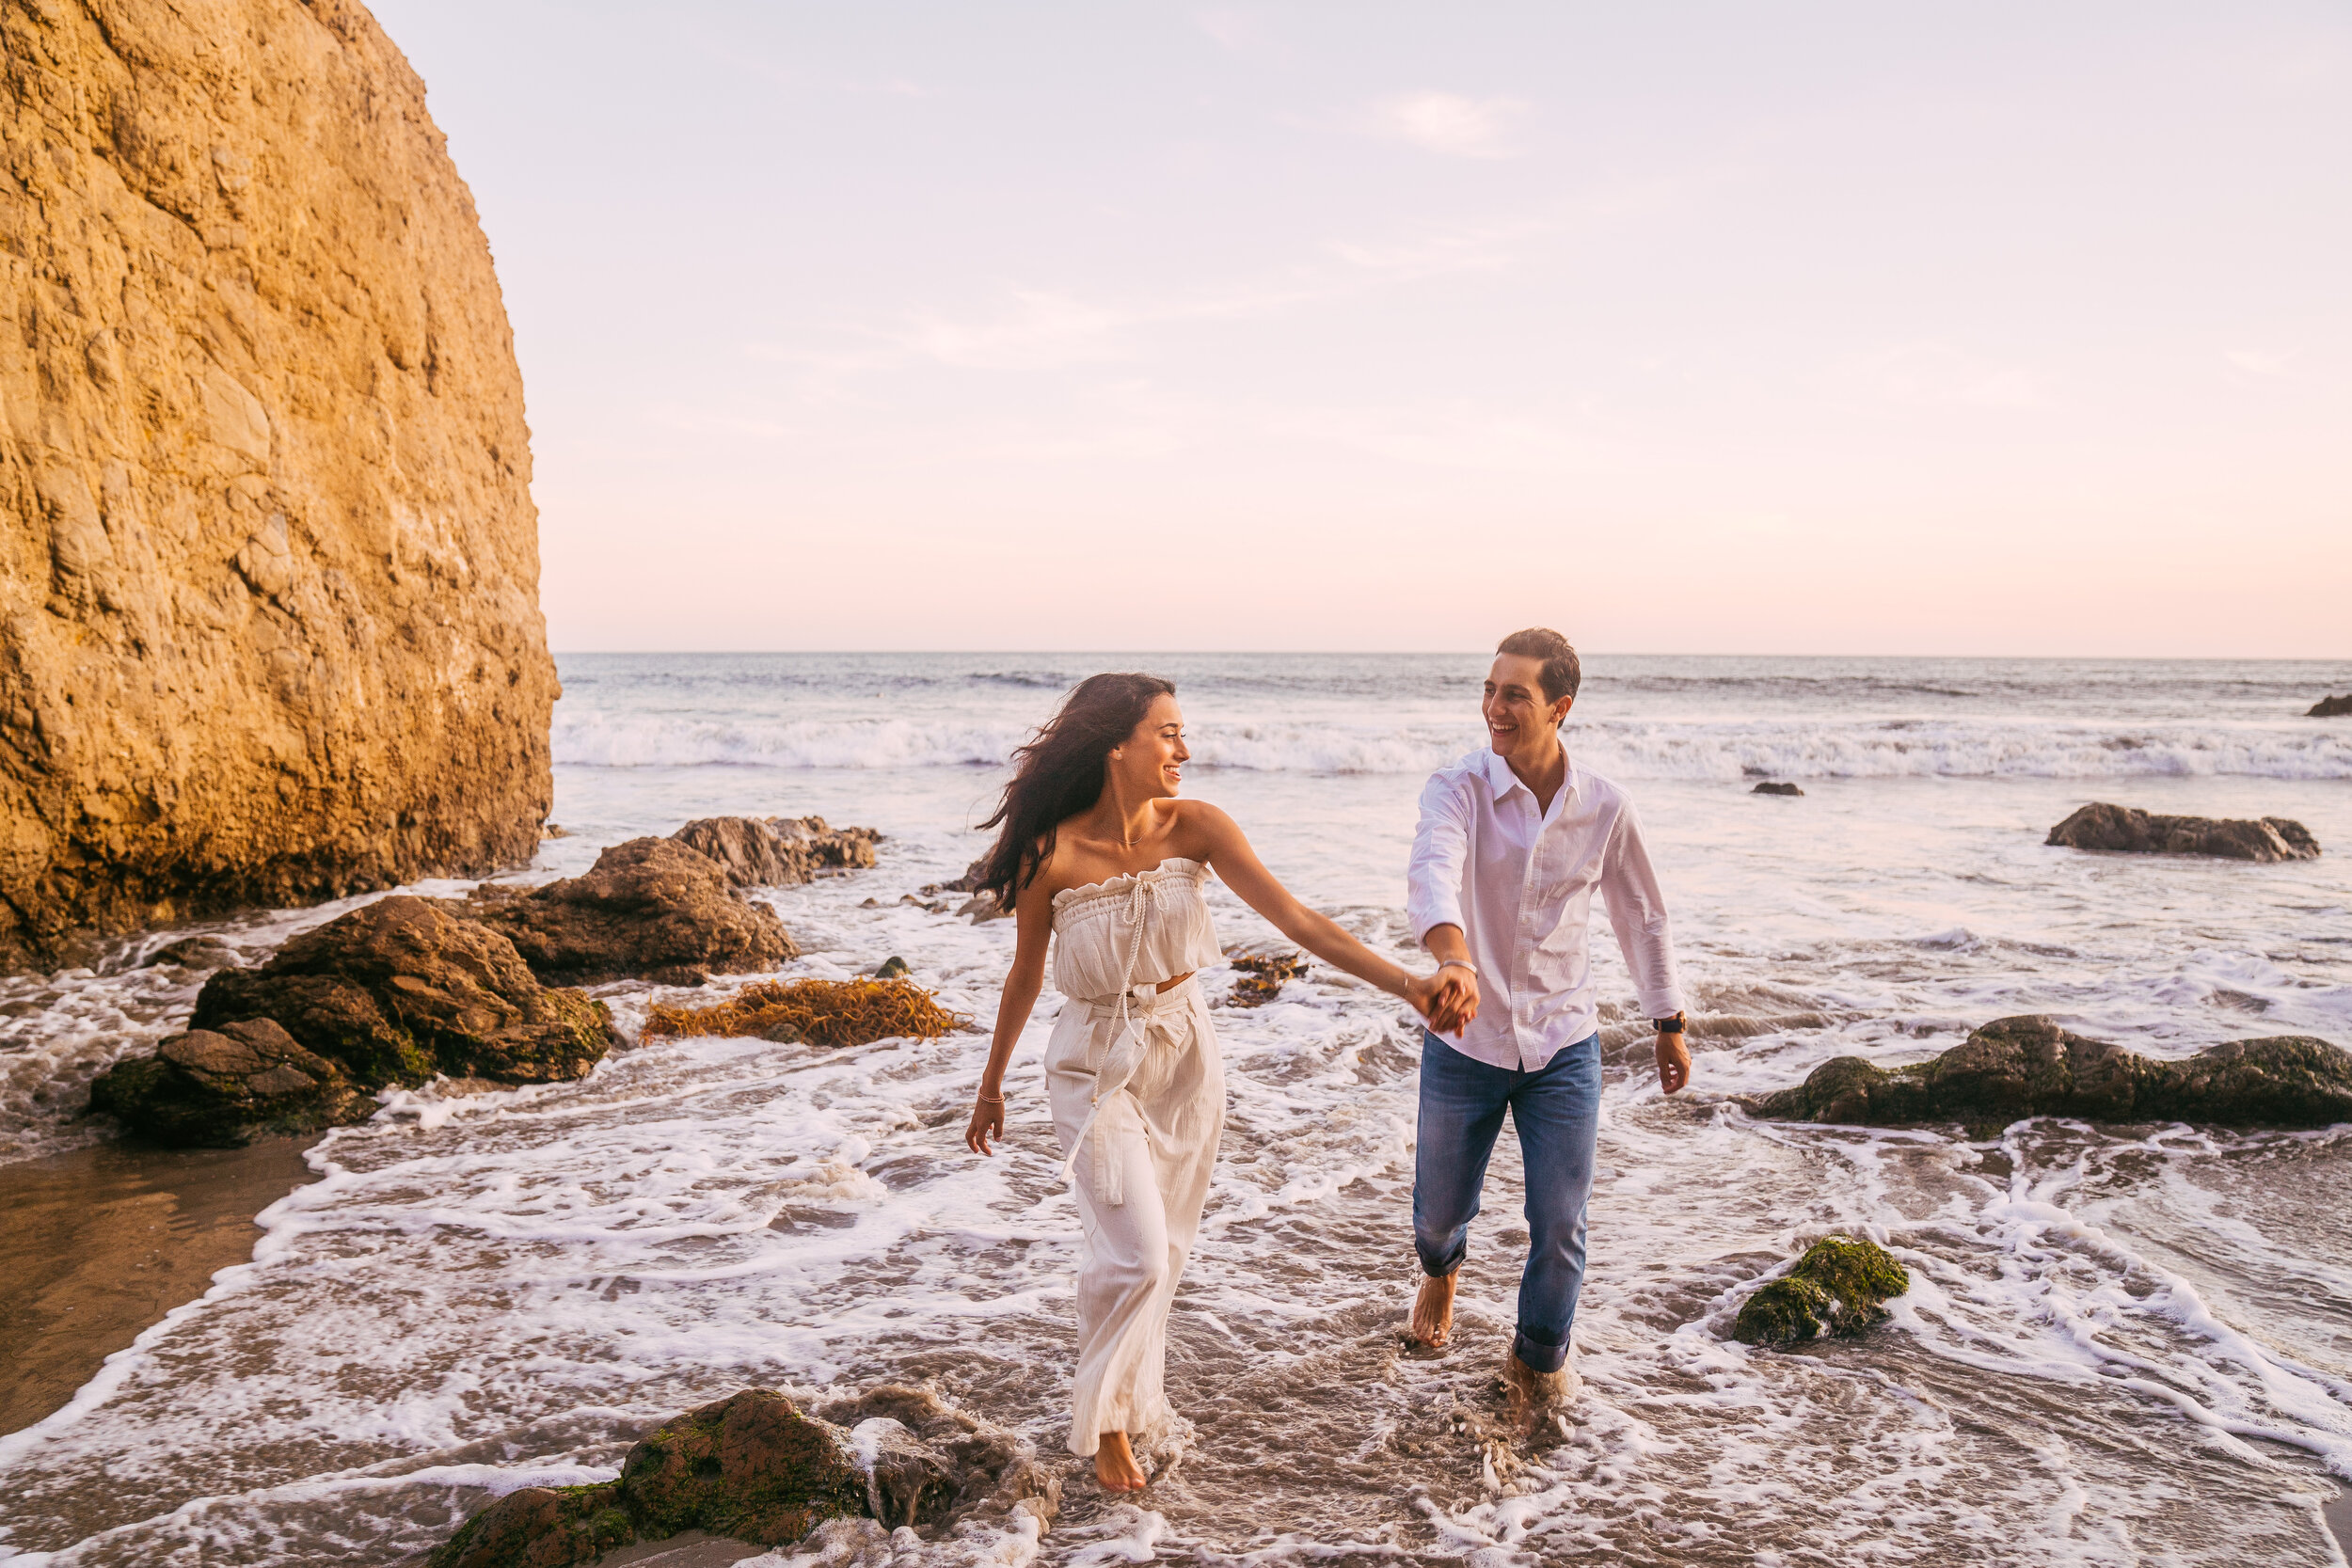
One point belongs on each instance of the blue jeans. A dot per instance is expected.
(1557, 1114)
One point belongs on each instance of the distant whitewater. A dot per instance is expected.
(1641, 718)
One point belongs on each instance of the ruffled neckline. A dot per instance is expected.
(1119, 883)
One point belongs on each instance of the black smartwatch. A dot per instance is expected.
(1669, 1026)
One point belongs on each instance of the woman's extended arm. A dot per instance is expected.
(1238, 864)
(1034, 912)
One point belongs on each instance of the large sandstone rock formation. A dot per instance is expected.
(269, 626)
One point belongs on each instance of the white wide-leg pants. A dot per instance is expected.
(1140, 1202)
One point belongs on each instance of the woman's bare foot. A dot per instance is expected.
(1114, 1465)
(1432, 1311)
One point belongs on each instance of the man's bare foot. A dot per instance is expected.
(1432, 1311)
(1532, 1398)
(1114, 1465)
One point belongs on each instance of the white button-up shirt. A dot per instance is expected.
(1520, 883)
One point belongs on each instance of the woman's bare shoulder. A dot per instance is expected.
(1197, 828)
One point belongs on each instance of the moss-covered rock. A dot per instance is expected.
(541, 1527)
(2016, 1067)
(1838, 1287)
(750, 1466)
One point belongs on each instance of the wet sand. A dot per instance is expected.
(97, 1243)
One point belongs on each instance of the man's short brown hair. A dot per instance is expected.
(1562, 673)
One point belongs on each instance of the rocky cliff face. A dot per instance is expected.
(269, 623)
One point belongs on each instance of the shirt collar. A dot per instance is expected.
(1501, 781)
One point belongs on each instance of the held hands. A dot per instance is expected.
(988, 1122)
(1674, 1063)
(1448, 999)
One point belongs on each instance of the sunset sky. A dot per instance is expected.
(1804, 328)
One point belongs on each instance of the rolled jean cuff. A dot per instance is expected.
(1539, 1355)
(1438, 1265)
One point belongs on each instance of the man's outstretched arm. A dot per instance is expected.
(1433, 901)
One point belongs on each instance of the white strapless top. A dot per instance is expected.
(1136, 929)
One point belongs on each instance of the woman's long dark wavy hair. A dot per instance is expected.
(1059, 773)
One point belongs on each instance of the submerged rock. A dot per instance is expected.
(271, 602)
(1838, 1287)
(988, 1472)
(2129, 830)
(1776, 790)
(221, 1088)
(2330, 707)
(194, 953)
(778, 852)
(755, 1468)
(651, 908)
(2016, 1067)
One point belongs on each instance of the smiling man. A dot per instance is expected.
(1513, 841)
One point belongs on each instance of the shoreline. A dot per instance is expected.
(101, 1243)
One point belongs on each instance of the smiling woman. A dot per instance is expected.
(1099, 856)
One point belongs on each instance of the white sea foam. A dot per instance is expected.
(2119, 1345)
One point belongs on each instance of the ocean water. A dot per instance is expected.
(2121, 1346)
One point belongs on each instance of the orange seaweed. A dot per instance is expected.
(828, 1013)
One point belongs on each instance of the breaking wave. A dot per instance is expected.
(1727, 751)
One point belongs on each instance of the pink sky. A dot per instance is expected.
(1839, 329)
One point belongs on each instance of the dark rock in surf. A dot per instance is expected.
(221, 1088)
(1776, 790)
(778, 852)
(968, 882)
(194, 953)
(400, 989)
(393, 992)
(2129, 830)
(1839, 1286)
(2016, 1067)
(652, 909)
(2330, 707)
(755, 1468)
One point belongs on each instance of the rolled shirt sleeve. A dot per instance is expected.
(1440, 848)
(1637, 912)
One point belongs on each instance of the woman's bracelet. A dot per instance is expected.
(990, 1098)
